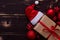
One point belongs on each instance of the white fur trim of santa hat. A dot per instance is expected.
(37, 18)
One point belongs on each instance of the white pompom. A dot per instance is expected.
(36, 2)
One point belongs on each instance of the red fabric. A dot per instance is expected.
(50, 30)
(29, 8)
(31, 12)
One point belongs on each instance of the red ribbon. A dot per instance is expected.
(50, 30)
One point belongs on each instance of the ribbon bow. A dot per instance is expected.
(51, 30)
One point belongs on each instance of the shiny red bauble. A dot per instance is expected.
(58, 16)
(56, 9)
(29, 26)
(50, 13)
(58, 22)
(31, 35)
(54, 18)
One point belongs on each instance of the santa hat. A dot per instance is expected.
(32, 14)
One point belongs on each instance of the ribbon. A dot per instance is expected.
(50, 30)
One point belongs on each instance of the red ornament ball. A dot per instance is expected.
(29, 26)
(31, 35)
(58, 16)
(54, 18)
(56, 9)
(50, 13)
(58, 22)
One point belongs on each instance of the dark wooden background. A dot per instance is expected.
(17, 31)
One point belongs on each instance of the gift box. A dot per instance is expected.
(48, 28)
